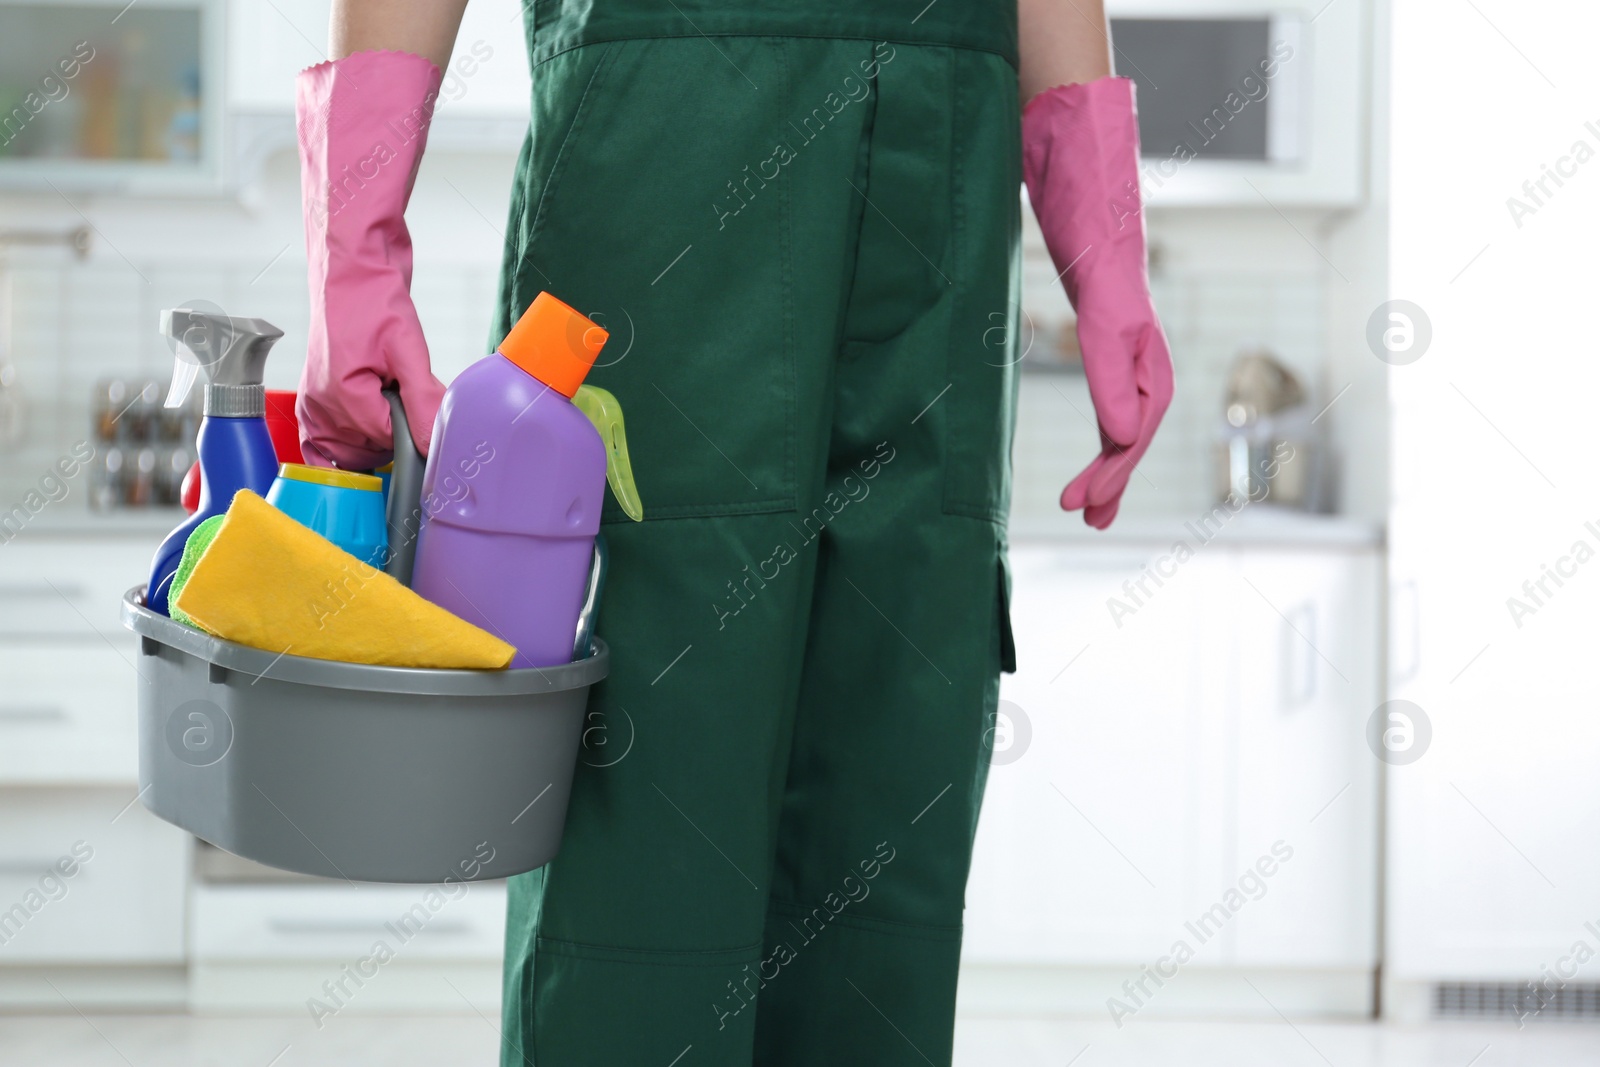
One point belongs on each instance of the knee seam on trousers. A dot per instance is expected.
(655, 957)
(898, 928)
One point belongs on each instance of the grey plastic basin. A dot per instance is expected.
(379, 774)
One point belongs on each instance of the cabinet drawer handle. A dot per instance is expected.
(323, 927)
(1405, 622)
(19, 868)
(41, 591)
(22, 713)
(1298, 655)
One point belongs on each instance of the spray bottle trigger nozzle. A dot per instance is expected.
(231, 351)
(184, 373)
(175, 326)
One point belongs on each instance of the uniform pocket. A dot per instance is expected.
(986, 186)
(1008, 643)
(646, 203)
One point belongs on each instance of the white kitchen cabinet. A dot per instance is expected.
(1306, 664)
(54, 587)
(1098, 839)
(327, 947)
(87, 876)
(67, 677)
(1165, 756)
(68, 714)
(339, 921)
(123, 901)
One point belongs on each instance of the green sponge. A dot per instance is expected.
(193, 549)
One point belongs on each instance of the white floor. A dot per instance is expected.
(463, 1041)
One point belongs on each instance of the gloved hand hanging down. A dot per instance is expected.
(1080, 155)
(363, 123)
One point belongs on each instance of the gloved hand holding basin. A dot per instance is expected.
(363, 124)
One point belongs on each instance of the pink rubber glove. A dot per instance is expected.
(1080, 158)
(363, 123)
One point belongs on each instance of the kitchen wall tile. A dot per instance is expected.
(1210, 316)
(76, 322)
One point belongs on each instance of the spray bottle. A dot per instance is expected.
(235, 448)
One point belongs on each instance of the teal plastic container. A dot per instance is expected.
(346, 508)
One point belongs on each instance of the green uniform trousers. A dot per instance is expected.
(805, 250)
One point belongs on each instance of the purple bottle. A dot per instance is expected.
(515, 479)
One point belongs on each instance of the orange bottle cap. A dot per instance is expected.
(554, 343)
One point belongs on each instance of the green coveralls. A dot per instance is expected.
(799, 219)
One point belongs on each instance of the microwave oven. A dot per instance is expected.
(1247, 100)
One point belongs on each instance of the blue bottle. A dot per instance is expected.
(235, 449)
(343, 506)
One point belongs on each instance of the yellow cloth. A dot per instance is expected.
(273, 584)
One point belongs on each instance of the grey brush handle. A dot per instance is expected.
(404, 514)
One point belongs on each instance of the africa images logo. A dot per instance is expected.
(199, 732)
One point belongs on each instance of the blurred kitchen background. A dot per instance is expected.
(1202, 693)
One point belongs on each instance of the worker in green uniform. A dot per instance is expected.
(799, 219)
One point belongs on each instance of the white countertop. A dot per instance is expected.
(72, 518)
(1259, 524)
(1256, 525)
